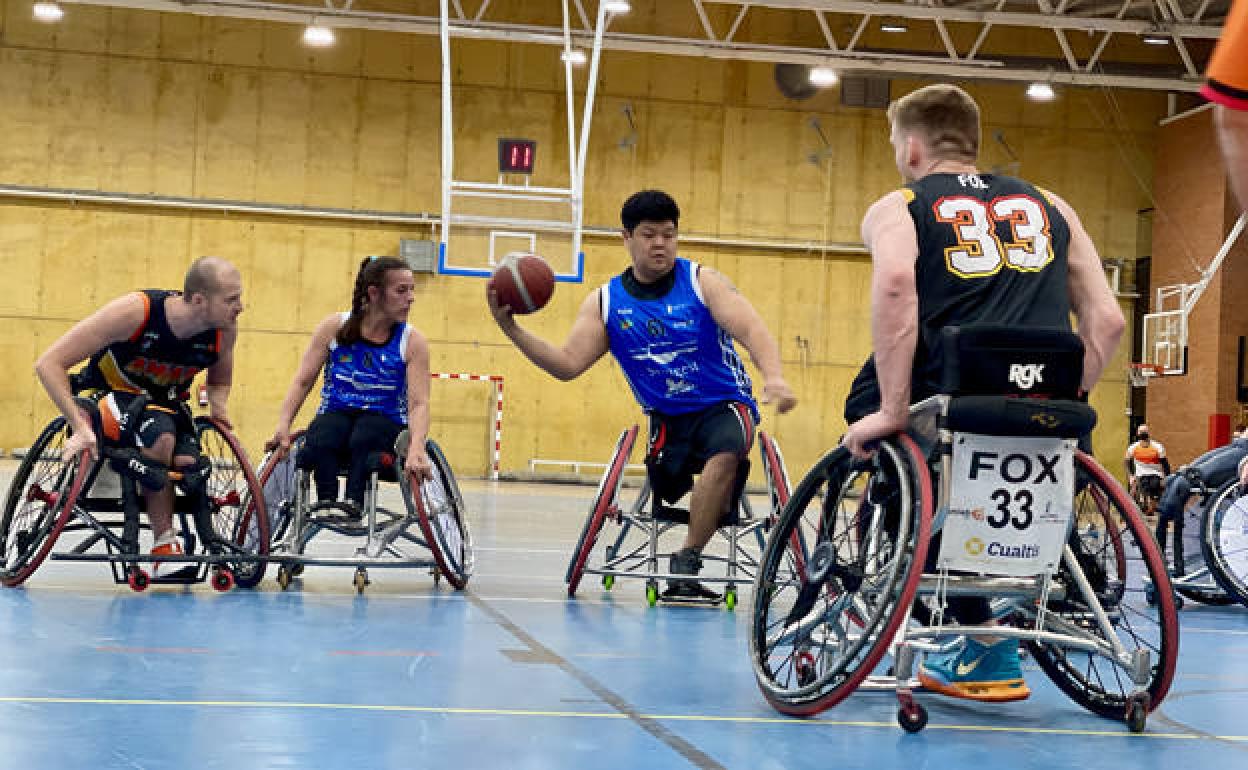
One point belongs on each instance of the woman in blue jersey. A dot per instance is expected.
(376, 382)
(670, 323)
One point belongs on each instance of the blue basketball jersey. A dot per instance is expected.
(675, 357)
(367, 376)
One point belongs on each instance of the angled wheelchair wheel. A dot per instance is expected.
(1102, 684)
(1224, 540)
(277, 480)
(839, 572)
(442, 516)
(604, 500)
(777, 474)
(41, 500)
(235, 500)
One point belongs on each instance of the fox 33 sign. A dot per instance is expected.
(1010, 504)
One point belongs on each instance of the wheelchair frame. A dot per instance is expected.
(641, 558)
(1223, 537)
(845, 616)
(62, 498)
(433, 511)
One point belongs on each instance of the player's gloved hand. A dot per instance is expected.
(418, 465)
(777, 391)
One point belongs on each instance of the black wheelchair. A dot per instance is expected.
(847, 595)
(1224, 539)
(637, 546)
(84, 504)
(432, 523)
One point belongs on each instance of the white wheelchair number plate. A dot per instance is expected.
(1009, 504)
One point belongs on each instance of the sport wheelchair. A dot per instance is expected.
(87, 503)
(437, 513)
(1224, 540)
(633, 548)
(843, 585)
(1192, 573)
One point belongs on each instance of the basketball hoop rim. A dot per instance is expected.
(1141, 373)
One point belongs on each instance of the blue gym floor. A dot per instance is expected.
(509, 674)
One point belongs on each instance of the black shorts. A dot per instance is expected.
(122, 423)
(1148, 486)
(681, 444)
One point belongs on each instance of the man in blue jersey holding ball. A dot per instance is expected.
(671, 323)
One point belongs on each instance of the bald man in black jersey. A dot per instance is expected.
(151, 343)
(957, 247)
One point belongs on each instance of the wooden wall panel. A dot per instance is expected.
(185, 106)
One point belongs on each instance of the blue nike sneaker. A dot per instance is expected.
(976, 671)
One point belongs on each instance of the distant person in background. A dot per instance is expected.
(1146, 466)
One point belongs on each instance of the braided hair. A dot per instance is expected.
(372, 273)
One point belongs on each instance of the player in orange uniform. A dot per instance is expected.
(1146, 466)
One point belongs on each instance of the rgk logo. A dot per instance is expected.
(1026, 375)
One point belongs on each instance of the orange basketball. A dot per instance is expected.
(524, 282)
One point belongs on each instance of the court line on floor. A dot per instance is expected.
(615, 715)
(684, 748)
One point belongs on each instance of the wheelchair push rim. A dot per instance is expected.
(802, 662)
(236, 498)
(1099, 683)
(444, 526)
(604, 500)
(47, 503)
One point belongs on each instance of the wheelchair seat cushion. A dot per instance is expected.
(990, 359)
(384, 463)
(1008, 416)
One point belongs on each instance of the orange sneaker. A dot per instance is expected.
(164, 568)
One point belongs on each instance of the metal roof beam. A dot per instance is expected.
(883, 63)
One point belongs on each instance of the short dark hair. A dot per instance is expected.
(649, 206)
(945, 116)
(201, 277)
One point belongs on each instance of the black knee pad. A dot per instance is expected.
(151, 474)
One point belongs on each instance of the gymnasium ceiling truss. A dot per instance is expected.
(1098, 43)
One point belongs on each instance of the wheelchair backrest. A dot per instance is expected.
(998, 360)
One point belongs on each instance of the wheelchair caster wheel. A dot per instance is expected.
(296, 570)
(804, 667)
(607, 582)
(361, 580)
(912, 718)
(284, 575)
(1136, 716)
(223, 580)
(652, 593)
(138, 579)
(730, 598)
(1178, 602)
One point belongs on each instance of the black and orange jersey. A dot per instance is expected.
(152, 360)
(992, 249)
(1227, 76)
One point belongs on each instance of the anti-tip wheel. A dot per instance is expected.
(138, 579)
(912, 719)
(730, 598)
(652, 593)
(361, 580)
(222, 580)
(283, 577)
(1137, 713)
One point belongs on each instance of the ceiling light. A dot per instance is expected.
(48, 12)
(1155, 38)
(617, 6)
(575, 57)
(823, 76)
(318, 36)
(1041, 92)
(893, 26)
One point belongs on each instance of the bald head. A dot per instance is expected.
(206, 276)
